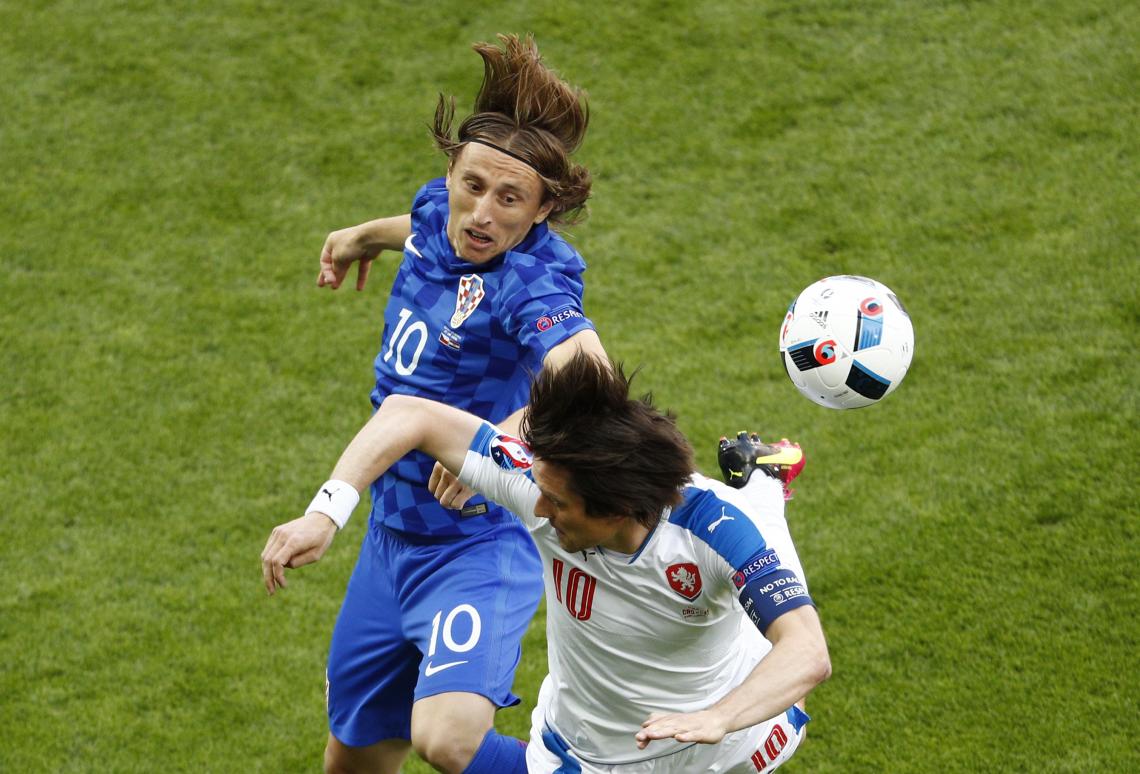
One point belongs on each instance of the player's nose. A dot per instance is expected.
(541, 510)
(481, 214)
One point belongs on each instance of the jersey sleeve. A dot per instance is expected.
(498, 466)
(431, 198)
(545, 309)
(768, 588)
(753, 549)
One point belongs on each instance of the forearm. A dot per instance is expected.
(383, 234)
(401, 424)
(779, 681)
(586, 340)
(796, 664)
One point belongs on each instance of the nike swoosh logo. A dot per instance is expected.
(786, 456)
(430, 670)
(410, 247)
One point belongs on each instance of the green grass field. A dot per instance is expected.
(174, 384)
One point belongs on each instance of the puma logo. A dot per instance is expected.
(723, 517)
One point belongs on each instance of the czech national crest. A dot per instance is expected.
(685, 579)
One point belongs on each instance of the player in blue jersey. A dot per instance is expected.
(659, 581)
(427, 640)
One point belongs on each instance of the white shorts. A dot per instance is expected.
(762, 747)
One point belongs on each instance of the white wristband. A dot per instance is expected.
(335, 499)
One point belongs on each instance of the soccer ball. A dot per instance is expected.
(846, 342)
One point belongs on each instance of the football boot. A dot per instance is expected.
(746, 453)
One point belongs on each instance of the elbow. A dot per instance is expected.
(821, 664)
(814, 660)
(824, 669)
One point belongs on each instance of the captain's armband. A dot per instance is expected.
(767, 597)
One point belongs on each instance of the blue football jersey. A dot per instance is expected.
(470, 336)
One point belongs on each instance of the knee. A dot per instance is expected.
(381, 758)
(335, 762)
(447, 749)
(448, 728)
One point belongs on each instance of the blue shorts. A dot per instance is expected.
(421, 618)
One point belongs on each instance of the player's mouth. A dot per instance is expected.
(479, 238)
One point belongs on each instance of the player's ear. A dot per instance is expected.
(544, 211)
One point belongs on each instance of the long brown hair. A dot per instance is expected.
(525, 109)
(623, 456)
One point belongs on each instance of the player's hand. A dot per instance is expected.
(447, 488)
(342, 249)
(704, 727)
(293, 544)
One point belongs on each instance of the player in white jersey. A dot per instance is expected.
(630, 635)
(633, 633)
(659, 581)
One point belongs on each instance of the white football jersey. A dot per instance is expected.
(660, 630)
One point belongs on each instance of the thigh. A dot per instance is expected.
(466, 607)
(545, 753)
(372, 668)
(762, 747)
(548, 753)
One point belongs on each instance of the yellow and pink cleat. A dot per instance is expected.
(739, 457)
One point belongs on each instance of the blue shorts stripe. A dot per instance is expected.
(797, 717)
(558, 746)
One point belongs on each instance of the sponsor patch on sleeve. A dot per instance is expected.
(556, 317)
(759, 564)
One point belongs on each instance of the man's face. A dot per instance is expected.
(566, 512)
(494, 200)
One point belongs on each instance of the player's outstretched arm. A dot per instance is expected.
(446, 487)
(360, 244)
(402, 423)
(797, 663)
